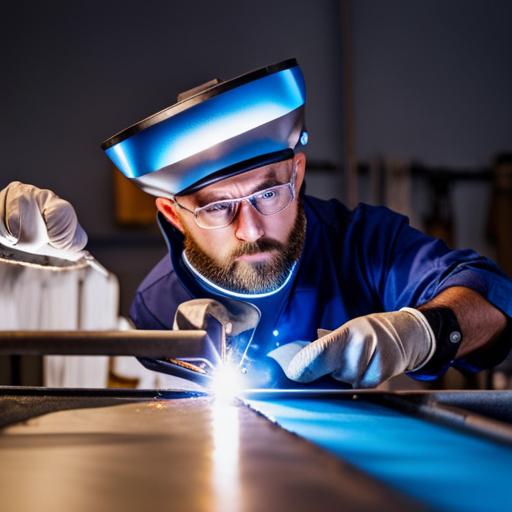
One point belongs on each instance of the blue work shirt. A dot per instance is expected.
(354, 262)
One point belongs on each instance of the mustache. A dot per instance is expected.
(262, 245)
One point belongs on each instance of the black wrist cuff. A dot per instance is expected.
(448, 336)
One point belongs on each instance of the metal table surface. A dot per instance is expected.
(463, 469)
(132, 450)
(128, 450)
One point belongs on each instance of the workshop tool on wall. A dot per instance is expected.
(439, 221)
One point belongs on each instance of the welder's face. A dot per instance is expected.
(255, 252)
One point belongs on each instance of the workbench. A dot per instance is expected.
(265, 451)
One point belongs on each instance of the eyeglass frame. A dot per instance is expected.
(239, 200)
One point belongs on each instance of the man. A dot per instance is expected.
(226, 167)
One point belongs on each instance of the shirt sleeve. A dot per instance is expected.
(142, 317)
(415, 267)
(157, 299)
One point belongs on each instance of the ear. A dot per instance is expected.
(300, 161)
(168, 209)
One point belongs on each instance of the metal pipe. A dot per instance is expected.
(153, 344)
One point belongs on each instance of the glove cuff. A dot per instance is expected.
(429, 335)
(448, 335)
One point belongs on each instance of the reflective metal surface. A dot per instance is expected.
(17, 257)
(386, 435)
(183, 454)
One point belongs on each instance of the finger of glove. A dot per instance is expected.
(346, 353)
(64, 231)
(22, 217)
(319, 358)
(374, 353)
(285, 353)
(5, 236)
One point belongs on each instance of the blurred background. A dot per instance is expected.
(409, 104)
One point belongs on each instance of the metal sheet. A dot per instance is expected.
(442, 467)
(156, 344)
(186, 455)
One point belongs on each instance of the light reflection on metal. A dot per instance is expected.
(226, 474)
(51, 259)
(15, 256)
(226, 383)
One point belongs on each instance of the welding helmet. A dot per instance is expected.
(216, 130)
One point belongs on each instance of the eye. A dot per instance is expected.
(217, 208)
(268, 194)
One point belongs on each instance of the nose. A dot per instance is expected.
(248, 223)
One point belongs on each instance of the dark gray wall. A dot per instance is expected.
(75, 73)
(432, 82)
(433, 79)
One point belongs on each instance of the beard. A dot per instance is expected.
(244, 277)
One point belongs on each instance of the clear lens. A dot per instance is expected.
(217, 215)
(272, 200)
(267, 202)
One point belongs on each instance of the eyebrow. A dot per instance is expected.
(270, 181)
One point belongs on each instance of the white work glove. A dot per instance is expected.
(365, 351)
(39, 222)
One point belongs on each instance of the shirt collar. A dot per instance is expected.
(229, 293)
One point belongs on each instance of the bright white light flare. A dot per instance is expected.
(226, 382)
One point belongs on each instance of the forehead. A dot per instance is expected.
(245, 183)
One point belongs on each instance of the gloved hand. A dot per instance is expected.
(38, 221)
(368, 350)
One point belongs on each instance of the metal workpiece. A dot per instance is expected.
(463, 468)
(271, 450)
(189, 454)
(77, 261)
(108, 343)
(14, 256)
(192, 354)
(19, 404)
(485, 414)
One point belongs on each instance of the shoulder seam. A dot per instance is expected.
(139, 294)
(154, 282)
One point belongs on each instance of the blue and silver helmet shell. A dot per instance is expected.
(225, 129)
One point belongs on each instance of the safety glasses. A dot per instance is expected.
(222, 213)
